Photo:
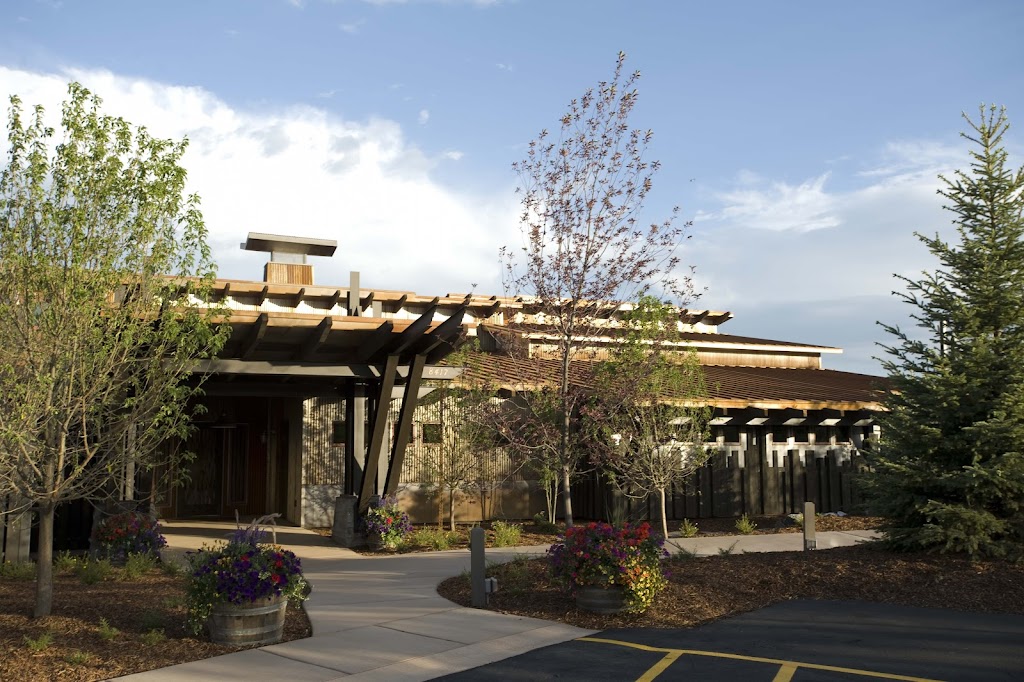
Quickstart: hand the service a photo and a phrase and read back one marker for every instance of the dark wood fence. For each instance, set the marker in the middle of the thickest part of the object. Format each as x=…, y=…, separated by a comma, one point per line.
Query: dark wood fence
x=734, y=483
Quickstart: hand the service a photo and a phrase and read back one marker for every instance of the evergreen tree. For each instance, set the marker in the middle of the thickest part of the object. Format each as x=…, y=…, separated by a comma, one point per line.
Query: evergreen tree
x=950, y=474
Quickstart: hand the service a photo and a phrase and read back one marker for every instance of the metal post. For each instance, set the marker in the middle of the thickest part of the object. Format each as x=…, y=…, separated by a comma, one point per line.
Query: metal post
x=477, y=567
x=809, y=540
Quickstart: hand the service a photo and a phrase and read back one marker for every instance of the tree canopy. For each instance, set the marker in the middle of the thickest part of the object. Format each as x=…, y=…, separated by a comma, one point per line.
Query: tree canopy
x=104, y=260
x=950, y=474
x=585, y=245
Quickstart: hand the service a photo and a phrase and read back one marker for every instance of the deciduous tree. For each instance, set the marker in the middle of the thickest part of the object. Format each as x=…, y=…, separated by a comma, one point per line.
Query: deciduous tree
x=651, y=404
x=102, y=258
x=585, y=245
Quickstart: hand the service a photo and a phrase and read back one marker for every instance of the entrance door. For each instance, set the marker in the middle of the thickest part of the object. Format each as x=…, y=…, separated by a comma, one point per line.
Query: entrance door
x=201, y=494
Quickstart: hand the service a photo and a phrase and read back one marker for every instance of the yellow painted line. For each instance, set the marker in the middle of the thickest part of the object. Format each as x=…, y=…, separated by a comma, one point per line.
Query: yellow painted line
x=755, y=659
x=659, y=667
x=785, y=673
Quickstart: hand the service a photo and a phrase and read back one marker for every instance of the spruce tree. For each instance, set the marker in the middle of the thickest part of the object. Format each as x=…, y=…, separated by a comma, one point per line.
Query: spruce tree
x=950, y=473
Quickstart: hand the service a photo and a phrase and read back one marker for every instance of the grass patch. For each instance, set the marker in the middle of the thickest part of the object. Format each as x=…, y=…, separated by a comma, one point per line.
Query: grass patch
x=40, y=643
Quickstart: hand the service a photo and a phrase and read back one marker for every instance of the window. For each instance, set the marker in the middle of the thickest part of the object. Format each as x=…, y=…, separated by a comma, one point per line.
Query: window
x=432, y=434
x=337, y=433
x=801, y=434
x=780, y=434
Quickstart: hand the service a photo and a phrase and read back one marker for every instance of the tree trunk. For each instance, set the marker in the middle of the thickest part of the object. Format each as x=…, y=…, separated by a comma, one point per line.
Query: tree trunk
x=567, y=495
x=44, y=561
x=664, y=516
x=564, y=440
x=451, y=509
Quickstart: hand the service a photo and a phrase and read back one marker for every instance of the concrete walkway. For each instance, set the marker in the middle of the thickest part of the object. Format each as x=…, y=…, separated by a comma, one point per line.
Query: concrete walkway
x=380, y=618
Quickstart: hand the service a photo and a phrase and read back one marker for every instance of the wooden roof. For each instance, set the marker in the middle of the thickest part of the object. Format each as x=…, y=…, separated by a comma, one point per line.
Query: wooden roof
x=728, y=387
x=298, y=344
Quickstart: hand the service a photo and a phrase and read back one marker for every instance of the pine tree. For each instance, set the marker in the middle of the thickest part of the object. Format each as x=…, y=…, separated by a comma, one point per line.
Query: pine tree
x=951, y=471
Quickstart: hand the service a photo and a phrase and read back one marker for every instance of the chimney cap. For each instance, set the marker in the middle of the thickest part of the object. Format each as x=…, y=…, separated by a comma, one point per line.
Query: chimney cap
x=279, y=243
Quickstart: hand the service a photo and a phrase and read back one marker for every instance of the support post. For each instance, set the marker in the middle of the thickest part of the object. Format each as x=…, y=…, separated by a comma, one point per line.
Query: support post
x=377, y=436
x=404, y=426
x=810, y=542
x=477, y=567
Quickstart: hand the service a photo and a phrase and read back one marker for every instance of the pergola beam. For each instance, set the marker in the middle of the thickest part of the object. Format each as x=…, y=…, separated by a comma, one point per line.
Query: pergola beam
x=255, y=335
x=375, y=342
x=315, y=340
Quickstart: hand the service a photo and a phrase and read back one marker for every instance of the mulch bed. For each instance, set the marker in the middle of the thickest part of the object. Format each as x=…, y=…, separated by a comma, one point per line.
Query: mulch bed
x=78, y=652
x=532, y=534
x=705, y=589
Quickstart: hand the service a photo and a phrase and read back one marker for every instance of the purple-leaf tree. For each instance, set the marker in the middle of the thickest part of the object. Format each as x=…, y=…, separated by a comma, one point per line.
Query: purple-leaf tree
x=586, y=245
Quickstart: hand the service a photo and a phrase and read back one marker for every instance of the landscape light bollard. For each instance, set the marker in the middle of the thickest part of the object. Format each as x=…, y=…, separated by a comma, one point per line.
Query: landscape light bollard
x=809, y=540
x=477, y=567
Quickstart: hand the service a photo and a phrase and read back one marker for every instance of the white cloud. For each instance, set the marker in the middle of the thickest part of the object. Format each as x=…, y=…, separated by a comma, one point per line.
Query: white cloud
x=781, y=206
x=505, y=67
x=303, y=171
x=759, y=255
x=351, y=27
x=423, y=117
x=453, y=155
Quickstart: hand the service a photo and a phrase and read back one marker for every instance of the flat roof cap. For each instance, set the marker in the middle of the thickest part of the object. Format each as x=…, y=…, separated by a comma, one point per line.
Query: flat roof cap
x=310, y=246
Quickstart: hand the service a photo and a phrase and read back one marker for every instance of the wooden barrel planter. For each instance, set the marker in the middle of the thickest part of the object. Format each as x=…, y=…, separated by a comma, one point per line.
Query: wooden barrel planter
x=261, y=622
x=601, y=598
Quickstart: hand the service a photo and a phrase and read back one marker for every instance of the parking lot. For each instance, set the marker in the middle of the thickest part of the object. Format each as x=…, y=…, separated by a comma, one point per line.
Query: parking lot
x=799, y=641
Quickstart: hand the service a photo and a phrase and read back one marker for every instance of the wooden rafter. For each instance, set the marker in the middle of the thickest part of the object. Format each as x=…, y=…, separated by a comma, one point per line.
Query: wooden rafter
x=414, y=331
x=255, y=335
x=374, y=343
x=314, y=340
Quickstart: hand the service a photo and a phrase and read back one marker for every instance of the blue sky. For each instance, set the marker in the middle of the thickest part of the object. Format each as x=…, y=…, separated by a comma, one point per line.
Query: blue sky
x=803, y=138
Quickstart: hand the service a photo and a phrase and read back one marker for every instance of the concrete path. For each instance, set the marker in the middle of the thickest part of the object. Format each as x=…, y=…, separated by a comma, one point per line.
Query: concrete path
x=380, y=618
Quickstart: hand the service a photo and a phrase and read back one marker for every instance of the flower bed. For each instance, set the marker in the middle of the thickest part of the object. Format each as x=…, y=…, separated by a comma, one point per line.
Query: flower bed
x=119, y=535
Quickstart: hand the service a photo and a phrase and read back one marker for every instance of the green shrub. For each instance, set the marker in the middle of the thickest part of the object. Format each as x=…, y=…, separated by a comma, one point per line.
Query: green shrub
x=506, y=534
x=688, y=530
x=18, y=570
x=93, y=571
x=152, y=620
x=153, y=637
x=40, y=643
x=516, y=577
x=540, y=519
x=745, y=526
x=106, y=630
x=138, y=565
x=66, y=562
x=726, y=551
x=76, y=657
x=171, y=567
x=434, y=538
